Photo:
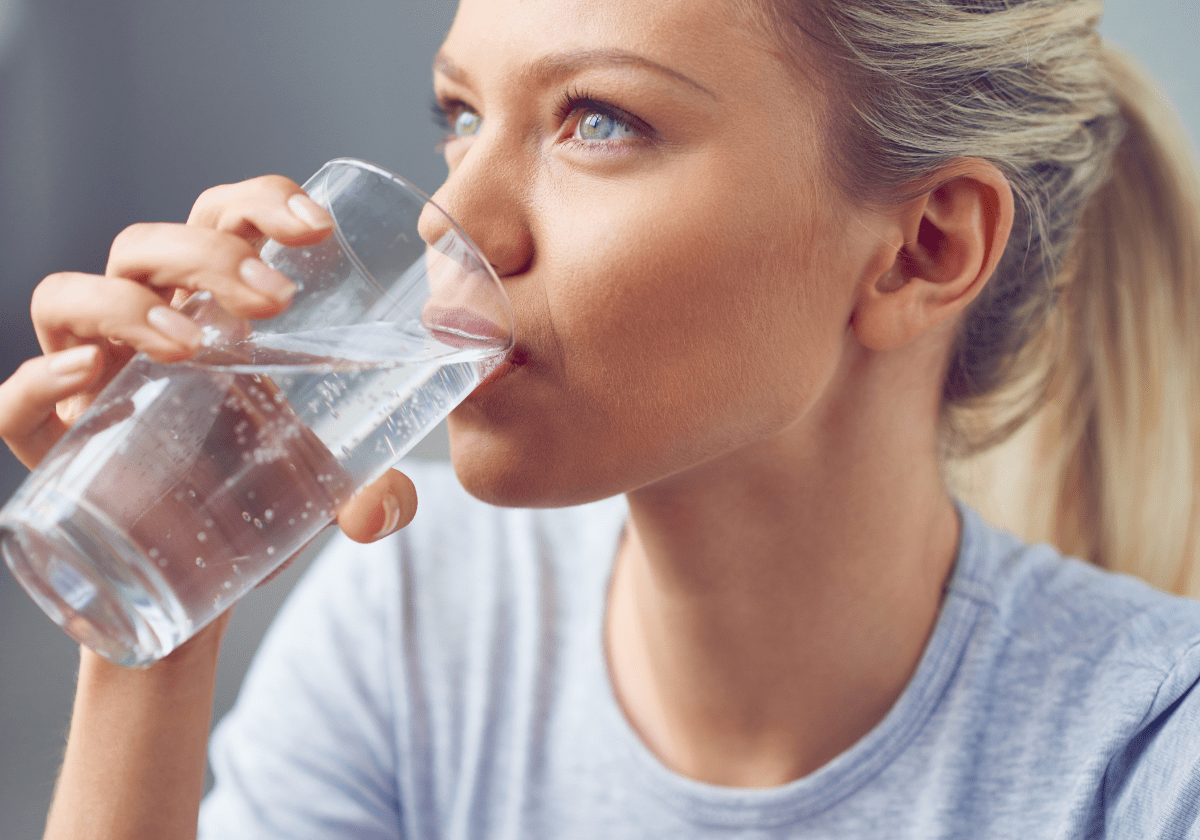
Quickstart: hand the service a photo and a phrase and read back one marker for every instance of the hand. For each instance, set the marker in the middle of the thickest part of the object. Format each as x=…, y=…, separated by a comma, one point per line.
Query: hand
x=89, y=326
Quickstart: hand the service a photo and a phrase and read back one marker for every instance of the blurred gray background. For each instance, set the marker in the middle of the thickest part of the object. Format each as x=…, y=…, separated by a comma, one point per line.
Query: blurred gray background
x=125, y=110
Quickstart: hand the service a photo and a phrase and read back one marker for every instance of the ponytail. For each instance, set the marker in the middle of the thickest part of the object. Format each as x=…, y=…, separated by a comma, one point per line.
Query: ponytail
x=1109, y=469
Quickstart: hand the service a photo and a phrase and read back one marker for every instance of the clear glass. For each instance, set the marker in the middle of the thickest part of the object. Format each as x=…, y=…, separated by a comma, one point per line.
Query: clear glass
x=185, y=484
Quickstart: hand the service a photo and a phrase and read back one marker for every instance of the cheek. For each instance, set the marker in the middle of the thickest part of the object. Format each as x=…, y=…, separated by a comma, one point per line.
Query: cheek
x=722, y=316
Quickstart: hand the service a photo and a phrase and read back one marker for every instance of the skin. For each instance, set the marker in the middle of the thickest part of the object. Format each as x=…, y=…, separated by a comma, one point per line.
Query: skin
x=706, y=325
x=703, y=323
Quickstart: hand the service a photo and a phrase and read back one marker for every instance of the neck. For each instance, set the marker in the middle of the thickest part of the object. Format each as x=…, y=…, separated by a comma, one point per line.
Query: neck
x=767, y=609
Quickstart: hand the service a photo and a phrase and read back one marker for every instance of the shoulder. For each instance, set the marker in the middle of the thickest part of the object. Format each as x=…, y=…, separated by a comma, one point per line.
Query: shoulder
x=1074, y=695
x=1083, y=675
x=1039, y=603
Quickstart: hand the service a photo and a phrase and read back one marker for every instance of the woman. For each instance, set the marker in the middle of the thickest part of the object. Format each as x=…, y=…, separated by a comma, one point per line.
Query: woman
x=770, y=262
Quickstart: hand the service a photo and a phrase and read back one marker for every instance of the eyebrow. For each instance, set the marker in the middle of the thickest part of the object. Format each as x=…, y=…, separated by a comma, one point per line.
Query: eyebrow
x=561, y=64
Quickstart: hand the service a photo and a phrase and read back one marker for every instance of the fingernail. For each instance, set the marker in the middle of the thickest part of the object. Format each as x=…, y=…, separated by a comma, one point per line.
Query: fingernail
x=258, y=275
x=175, y=326
x=309, y=212
x=391, y=516
x=75, y=361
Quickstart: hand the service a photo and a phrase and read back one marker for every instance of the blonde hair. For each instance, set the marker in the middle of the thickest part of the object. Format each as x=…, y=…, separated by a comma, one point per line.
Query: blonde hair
x=1088, y=325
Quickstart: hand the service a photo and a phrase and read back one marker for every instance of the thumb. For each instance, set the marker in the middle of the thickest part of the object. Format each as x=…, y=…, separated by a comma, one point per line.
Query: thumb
x=381, y=508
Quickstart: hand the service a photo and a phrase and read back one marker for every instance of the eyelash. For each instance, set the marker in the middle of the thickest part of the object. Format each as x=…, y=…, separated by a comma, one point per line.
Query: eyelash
x=576, y=100
x=439, y=109
x=446, y=111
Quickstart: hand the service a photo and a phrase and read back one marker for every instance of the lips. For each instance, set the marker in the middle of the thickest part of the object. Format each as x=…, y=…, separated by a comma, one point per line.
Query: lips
x=463, y=328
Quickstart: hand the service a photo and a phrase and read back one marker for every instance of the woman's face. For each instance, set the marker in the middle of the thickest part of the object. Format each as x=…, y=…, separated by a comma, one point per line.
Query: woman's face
x=647, y=178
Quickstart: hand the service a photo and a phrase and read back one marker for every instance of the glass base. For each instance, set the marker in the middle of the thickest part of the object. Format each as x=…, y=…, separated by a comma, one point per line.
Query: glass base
x=90, y=581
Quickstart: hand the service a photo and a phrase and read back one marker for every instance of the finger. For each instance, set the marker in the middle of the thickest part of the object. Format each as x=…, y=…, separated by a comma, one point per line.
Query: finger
x=379, y=509
x=172, y=256
x=271, y=206
x=71, y=308
x=29, y=423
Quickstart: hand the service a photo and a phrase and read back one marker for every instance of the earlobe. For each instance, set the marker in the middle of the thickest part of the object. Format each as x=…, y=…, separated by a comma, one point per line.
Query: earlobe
x=954, y=235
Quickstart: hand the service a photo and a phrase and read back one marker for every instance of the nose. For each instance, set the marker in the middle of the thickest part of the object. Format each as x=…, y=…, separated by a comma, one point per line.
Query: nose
x=484, y=195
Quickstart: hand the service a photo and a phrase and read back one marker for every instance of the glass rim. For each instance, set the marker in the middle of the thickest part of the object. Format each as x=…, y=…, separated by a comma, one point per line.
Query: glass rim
x=400, y=180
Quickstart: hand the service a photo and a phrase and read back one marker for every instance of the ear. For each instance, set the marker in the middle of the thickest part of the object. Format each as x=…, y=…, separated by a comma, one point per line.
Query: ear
x=954, y=235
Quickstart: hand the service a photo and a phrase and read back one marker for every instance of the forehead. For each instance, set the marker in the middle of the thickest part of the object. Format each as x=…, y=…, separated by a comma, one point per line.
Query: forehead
x=709, y=41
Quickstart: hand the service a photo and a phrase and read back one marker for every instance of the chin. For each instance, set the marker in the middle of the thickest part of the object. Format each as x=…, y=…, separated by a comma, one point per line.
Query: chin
x=523, y=472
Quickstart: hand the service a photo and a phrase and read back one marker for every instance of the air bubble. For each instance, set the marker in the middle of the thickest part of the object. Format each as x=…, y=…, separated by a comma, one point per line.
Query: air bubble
x=246, y=516
x=201, y=536
x=308, y=505
x=235, y=569
x=228, y=585
x=200, y=562
x=304, y=516
x=208, y=523
x=192, y=493
x=258, y=523
x=153, y=553
x=268, y=514
x=291, y=521
x=270, y=550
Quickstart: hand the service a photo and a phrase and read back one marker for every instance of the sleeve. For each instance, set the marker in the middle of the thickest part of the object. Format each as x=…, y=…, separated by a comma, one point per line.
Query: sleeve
x=1152, y=788
x=309, y=749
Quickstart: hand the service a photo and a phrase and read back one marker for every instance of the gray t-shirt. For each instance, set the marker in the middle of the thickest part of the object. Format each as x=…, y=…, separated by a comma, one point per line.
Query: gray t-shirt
x=450, y=682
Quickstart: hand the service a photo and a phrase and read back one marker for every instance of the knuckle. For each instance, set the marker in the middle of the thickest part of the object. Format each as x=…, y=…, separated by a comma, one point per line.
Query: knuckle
x=131, y=235
x=129, y=241
x=227, y=206
x=46, y=291
x=212, y=198
x=274, y=184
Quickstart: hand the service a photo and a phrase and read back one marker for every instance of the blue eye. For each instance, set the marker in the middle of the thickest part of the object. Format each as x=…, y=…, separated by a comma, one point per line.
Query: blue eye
x=466, y=123
x=597, y=126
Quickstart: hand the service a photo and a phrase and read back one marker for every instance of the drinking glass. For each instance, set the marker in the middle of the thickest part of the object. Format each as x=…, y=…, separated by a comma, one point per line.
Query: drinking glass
x=185, y=484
